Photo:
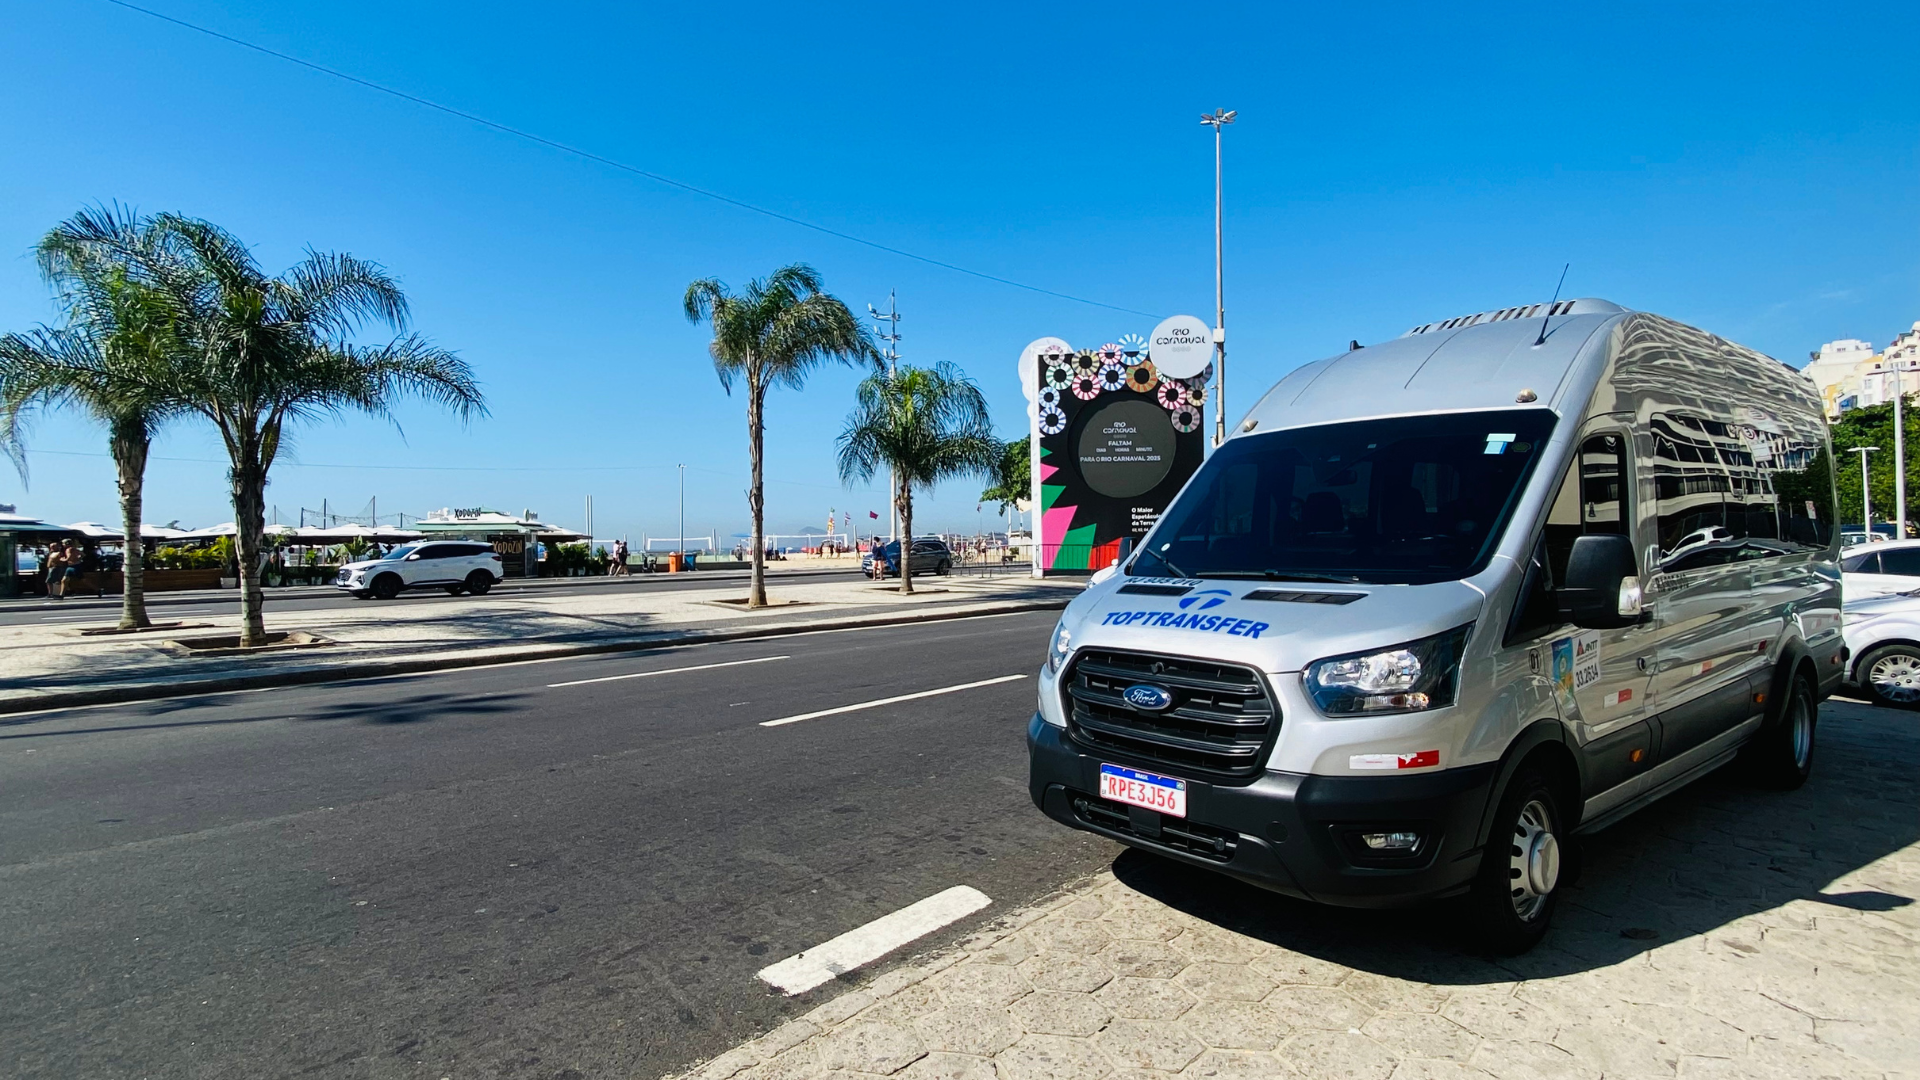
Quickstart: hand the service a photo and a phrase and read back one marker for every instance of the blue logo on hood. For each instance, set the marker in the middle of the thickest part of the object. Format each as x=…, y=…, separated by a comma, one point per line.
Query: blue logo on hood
x=1147, y=698
x=1204, y=599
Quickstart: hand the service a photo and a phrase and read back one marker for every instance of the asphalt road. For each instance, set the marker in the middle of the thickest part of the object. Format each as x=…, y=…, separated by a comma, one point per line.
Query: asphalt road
x=480, y=873
x=89, y=610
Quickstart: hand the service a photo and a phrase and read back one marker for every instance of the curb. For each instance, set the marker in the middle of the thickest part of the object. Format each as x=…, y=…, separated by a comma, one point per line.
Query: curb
x=355, y=672
x=111, y=601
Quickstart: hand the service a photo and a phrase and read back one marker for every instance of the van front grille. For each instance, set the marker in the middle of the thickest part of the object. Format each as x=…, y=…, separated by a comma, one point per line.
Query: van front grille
x=1221, y=718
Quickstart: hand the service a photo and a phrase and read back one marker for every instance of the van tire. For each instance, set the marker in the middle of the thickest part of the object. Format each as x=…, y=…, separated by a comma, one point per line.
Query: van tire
x=385, y=587
x=1891, y=657
x=479, y=582
x=1780, y=756
x=1509, y=904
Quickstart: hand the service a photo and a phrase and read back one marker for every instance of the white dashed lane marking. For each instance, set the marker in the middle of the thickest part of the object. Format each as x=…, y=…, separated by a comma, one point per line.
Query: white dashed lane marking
x=801, y=972
x=667, y=671
x=888, y=701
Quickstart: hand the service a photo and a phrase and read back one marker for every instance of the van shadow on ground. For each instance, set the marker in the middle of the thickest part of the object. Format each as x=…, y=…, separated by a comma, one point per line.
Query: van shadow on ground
x=1689, y=864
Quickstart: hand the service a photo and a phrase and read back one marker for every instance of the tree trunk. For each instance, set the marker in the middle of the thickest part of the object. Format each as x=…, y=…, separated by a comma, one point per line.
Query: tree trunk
x=756, y=492
x=906, y=535
x=250, y=525
x=130, y=445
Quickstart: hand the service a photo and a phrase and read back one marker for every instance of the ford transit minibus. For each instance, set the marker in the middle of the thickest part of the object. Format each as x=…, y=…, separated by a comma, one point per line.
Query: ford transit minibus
x=1443, y=603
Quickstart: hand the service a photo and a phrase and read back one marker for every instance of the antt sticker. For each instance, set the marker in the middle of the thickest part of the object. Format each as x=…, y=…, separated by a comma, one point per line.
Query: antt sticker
x=1618, y=697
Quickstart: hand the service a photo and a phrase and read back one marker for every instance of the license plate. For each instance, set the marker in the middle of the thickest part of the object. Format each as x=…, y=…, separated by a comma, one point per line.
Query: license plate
x=1136, y=788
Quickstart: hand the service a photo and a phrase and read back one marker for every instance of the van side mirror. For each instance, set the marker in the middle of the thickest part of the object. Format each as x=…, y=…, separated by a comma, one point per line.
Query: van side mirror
x=1602, y=590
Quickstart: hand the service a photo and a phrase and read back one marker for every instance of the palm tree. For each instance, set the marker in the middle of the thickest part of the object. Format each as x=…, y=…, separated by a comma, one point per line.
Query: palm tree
x=776, y=330
x=1012, y=475
x=112, y=360
x=268, y=351
x=929, y=425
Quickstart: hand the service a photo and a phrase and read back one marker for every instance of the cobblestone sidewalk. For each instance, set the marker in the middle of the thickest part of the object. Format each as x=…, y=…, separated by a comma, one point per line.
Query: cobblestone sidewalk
x=1727, y=932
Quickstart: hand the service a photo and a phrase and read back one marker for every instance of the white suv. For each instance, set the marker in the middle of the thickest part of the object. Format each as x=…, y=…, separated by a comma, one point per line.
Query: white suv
x=453, y=565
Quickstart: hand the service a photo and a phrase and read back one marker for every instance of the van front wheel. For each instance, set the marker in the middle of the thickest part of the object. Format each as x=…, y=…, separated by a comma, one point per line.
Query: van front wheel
x=1513, y=898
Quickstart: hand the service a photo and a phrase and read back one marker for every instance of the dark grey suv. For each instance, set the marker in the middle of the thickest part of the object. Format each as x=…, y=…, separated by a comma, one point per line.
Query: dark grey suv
x=927, y=557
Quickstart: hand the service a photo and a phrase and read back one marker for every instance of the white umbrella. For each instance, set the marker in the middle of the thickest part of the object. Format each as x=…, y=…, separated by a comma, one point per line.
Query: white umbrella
x=225, y=528
x=160, y=532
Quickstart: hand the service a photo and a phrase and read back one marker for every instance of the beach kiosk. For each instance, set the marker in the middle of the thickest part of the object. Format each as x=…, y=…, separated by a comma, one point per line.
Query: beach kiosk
x=18, y=533
x=517, y=539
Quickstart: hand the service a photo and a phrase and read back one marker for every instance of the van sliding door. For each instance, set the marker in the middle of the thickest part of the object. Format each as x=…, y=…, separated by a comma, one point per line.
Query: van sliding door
x=1702, y=588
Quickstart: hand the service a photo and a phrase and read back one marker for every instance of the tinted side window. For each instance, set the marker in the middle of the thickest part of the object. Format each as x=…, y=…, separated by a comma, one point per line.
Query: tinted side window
x=1697, y=507
x=1901, y=561
x=1592, y=500
x=439, y=551
x=1862, y=564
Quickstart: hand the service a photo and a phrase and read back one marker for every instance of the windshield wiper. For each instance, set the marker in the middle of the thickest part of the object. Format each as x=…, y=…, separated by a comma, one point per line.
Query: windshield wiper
x=1300, y=575
x=1168, y=563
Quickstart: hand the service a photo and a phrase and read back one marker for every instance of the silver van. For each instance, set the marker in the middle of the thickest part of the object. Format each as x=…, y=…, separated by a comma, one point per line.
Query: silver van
x=1440, y=604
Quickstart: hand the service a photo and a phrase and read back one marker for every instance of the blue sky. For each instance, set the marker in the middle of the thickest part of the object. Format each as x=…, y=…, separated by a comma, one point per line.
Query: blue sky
x=1748, y=168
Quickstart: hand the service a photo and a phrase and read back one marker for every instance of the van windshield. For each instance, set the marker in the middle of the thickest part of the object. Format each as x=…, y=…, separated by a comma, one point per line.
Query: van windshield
x=1404, y=500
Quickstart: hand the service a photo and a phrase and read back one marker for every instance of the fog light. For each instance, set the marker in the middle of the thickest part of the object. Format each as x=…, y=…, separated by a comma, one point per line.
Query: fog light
x=1390, y=841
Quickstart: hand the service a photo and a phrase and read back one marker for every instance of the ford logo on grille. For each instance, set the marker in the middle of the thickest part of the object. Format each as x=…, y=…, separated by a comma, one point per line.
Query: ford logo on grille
x=1147, y=698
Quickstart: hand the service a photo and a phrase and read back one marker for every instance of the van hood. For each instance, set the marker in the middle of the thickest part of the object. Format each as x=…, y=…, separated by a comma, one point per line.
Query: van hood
x=1276, y=626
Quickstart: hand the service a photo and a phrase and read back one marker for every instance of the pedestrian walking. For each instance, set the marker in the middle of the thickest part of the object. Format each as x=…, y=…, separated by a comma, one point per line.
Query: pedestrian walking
x=56, y=568
x=618, y=566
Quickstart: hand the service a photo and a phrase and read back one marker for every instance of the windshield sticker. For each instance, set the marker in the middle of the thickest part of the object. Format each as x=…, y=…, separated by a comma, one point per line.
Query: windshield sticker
x=1424, y=759
x=1185, y=620
x=1497, y=444
x=1189, y=582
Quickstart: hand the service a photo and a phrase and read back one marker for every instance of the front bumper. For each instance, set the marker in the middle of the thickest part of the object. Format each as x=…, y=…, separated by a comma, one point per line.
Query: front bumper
x=1292, y=833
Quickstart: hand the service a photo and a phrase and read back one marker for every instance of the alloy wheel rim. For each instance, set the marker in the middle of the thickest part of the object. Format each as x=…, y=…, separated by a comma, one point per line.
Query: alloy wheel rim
x=1896, y=677
x=1533, y=862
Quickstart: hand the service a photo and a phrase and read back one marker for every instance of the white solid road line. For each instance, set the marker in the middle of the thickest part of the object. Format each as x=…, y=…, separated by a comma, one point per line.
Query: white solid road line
x=802, y=972
x=668, y=671
x=887, y=701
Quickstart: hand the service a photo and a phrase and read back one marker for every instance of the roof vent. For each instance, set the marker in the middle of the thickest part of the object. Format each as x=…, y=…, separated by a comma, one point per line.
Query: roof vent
x=1524, y=311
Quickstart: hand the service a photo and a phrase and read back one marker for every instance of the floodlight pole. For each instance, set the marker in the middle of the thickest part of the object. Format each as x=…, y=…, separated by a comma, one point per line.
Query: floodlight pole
x=1219, y=119
x=889, y=333
x=1866, y=493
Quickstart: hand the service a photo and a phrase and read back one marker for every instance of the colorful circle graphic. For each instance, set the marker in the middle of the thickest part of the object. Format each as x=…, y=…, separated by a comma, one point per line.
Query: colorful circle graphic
x=1052, y=421
x=1085, y=387
x=1142, y=377
x=1113, y=376
x=1049, y=397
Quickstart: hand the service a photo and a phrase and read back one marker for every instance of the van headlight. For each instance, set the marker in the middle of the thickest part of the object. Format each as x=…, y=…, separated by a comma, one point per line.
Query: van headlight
x=1406, y=678
x=1060, y=645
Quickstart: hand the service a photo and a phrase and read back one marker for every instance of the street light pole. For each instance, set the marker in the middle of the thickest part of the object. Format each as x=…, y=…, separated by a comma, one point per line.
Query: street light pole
x=1866, y=493
x=682, y=542
x=1220, y=118
x=1899, y=456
